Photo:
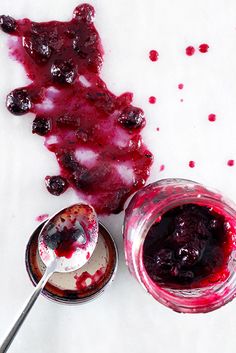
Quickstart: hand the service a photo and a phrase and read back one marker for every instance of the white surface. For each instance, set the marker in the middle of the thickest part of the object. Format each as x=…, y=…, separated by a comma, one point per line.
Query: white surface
x=125, y=319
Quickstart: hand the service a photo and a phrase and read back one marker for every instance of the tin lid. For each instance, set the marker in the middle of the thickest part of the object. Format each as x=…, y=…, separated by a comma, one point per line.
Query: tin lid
x=82, y=285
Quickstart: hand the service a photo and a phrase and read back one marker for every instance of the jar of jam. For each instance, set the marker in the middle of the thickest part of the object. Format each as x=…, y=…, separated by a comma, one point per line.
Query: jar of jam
x=179, y=239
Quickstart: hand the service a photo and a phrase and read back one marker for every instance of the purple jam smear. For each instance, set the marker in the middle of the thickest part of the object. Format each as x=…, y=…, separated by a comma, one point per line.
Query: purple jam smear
x=65, y=242
x=189, y=246
x=94, y=134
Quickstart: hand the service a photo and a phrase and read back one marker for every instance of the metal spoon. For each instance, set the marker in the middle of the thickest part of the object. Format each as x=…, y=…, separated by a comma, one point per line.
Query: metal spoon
x=66, y=242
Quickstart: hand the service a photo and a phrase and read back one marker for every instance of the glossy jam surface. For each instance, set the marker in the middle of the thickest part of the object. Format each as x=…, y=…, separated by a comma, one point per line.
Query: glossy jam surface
x=94, y=134
x=65, y=242
x=189, y=246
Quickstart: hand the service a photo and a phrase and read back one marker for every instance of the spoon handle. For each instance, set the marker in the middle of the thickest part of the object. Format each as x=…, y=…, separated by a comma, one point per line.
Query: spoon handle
x=26, y=309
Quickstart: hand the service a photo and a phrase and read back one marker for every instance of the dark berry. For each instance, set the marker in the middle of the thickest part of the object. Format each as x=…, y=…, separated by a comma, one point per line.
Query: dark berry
x=102, y=100
x=84, y=43
x=164, y=257
x=7, y=24
x=56, y=185
x=63, y=71
x=188, y=255
x=86, y=46
x=185, y=246
x=18, y=102
x=82, y=135
x=186, y=276
x=41, y=126
x=68, y=121
x=37, y=47
x=82, y=178
x=68, y=161
x=84, y=12
x=131, y=118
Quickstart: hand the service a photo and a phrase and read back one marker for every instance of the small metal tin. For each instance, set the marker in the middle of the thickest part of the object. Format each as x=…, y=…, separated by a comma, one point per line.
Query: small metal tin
x=82, y=285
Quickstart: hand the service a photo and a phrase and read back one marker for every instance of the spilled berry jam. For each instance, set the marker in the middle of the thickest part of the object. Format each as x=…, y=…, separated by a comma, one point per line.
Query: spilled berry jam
x=189, y=246
x=56, y=185
x=94, y=134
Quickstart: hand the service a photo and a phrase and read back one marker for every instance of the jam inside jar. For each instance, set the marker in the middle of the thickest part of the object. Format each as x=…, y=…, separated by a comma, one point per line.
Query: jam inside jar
x=180, y=244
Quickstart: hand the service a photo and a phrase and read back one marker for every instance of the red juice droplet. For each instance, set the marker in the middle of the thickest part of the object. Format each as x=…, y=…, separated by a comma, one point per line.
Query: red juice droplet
x=153, y=55
x=203, y=48
x=162, y=167
x=191, y=164
x=190, y=51
x=158, y=129
x=230, y=162
x=152, y=100
x=212, y=117
x=180, y=86
x=42, y=217
x=87, y=280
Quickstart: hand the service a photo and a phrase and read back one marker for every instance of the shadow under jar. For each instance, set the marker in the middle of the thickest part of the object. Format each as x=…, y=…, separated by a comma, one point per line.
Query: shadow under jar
x=179, y=239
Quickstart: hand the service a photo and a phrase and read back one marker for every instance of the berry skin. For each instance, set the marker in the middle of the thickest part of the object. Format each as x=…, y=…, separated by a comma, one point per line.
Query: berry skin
x=18, y=102
x=56, y=185
x=84, y=12
x=131, y=118
x=7, y=24
x=41, y=126
x=63, y=72
x=37, y=47
x=188, y=255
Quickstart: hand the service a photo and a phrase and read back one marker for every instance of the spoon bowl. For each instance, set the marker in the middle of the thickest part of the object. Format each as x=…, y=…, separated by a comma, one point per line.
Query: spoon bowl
x=69, y=238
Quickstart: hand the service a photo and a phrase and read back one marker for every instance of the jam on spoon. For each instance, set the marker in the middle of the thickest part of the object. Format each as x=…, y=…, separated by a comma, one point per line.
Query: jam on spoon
x=65, y=244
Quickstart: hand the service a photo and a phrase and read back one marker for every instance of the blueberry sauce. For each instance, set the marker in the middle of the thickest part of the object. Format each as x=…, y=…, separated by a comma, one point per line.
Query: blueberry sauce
x=189, y=245
x=94, y=134
x=190, y=51
x=203, y=48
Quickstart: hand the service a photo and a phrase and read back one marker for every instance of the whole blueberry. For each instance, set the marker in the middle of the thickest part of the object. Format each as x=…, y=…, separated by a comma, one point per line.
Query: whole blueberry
x=131, y=118
x=63, y=71
x=7, y=24
x=56, y=185
x=18, y=102
x=41, y=126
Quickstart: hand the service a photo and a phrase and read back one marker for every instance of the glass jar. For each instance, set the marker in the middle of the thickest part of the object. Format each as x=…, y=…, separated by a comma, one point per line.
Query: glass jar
x=145, y=208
